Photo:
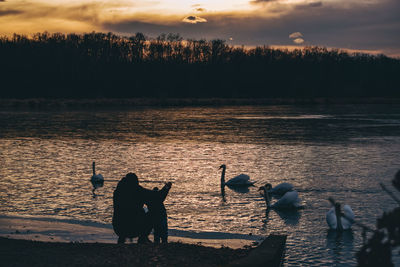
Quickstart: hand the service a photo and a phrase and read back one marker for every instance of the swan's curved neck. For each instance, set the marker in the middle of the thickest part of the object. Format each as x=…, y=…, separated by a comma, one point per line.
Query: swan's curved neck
x=223, y=177
x=266, y=198
x=339, y=226
x=94, y=168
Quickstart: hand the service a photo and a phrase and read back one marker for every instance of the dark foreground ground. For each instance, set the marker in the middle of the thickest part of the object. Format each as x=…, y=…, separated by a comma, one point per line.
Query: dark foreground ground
x=32, y=253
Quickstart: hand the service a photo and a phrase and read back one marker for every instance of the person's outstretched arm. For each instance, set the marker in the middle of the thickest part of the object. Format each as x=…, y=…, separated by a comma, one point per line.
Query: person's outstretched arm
x=163, y=194
x=149, y=195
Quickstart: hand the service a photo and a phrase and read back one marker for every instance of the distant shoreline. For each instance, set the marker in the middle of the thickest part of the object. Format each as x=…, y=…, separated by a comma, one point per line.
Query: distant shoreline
x=63, y=103
x=106, y=65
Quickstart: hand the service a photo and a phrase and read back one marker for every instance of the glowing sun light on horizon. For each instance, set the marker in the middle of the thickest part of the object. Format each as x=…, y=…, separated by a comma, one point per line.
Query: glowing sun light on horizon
x=178, y=6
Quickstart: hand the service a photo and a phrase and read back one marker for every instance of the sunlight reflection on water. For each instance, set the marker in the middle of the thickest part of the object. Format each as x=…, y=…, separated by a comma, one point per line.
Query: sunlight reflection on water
x=46, y=166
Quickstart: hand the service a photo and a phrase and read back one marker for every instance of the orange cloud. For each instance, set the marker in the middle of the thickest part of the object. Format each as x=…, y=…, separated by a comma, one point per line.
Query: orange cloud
x=298, y=41
x=22, y=18
x=295, y=35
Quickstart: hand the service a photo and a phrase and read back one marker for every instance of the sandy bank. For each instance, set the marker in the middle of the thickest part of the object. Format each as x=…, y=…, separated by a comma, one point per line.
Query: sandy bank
x=66, y=231
x=36, y=241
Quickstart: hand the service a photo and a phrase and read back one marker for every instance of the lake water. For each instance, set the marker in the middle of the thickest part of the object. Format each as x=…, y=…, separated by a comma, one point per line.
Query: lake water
x=324, y=151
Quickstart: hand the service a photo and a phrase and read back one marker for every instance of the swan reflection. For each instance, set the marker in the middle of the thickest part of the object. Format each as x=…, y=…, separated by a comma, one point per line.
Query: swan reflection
x=289, y=217
x=339, y=241
x=241, y=190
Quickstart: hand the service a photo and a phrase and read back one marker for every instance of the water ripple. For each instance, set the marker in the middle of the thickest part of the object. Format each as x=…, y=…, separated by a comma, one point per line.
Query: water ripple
x=46, y=161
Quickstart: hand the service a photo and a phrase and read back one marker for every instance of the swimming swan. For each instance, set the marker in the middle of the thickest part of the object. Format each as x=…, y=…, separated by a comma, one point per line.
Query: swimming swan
x=290, y=200
x=237, y=181
x=280, y=189
x=96, y=178
x=338, y=222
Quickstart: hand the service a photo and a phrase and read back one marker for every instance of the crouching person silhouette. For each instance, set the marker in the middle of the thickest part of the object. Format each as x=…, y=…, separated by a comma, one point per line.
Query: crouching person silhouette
x=129, y=218
x=158, y=214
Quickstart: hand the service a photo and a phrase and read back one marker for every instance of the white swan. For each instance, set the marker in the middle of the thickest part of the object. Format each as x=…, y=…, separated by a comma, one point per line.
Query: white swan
x=290, y=200
x=96, y=178
x=237, y=181
x=338, y=222
x=280, y=189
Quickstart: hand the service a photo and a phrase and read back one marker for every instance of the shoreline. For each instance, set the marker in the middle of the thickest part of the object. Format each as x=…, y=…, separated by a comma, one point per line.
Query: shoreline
x=67, y=231
x=33, y=241
x=15, y=252
x=89, y=103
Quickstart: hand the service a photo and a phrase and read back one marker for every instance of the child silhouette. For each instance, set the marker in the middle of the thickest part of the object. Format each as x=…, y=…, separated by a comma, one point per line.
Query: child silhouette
x=158, y=214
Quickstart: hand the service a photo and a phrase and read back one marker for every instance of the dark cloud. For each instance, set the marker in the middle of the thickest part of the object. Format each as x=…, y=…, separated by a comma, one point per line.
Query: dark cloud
x=198, y=8
x=262, y=1
x=315, y=4
x=303, y=5
x=9, y=12
x=194, y=19
x=308, y=5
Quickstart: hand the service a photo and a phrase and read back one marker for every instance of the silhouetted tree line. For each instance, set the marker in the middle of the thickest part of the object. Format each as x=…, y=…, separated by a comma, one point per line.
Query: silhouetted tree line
x=107, y=65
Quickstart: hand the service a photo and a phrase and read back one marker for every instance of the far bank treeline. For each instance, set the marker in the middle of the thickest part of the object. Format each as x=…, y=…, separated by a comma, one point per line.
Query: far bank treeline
x=107, y=65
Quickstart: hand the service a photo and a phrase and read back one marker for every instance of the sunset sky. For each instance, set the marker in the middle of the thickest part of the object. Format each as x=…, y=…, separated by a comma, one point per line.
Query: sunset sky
x=368, y=25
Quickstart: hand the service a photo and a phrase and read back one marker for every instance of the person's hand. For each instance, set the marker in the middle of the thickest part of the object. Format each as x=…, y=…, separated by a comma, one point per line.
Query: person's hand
x=169, y=184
